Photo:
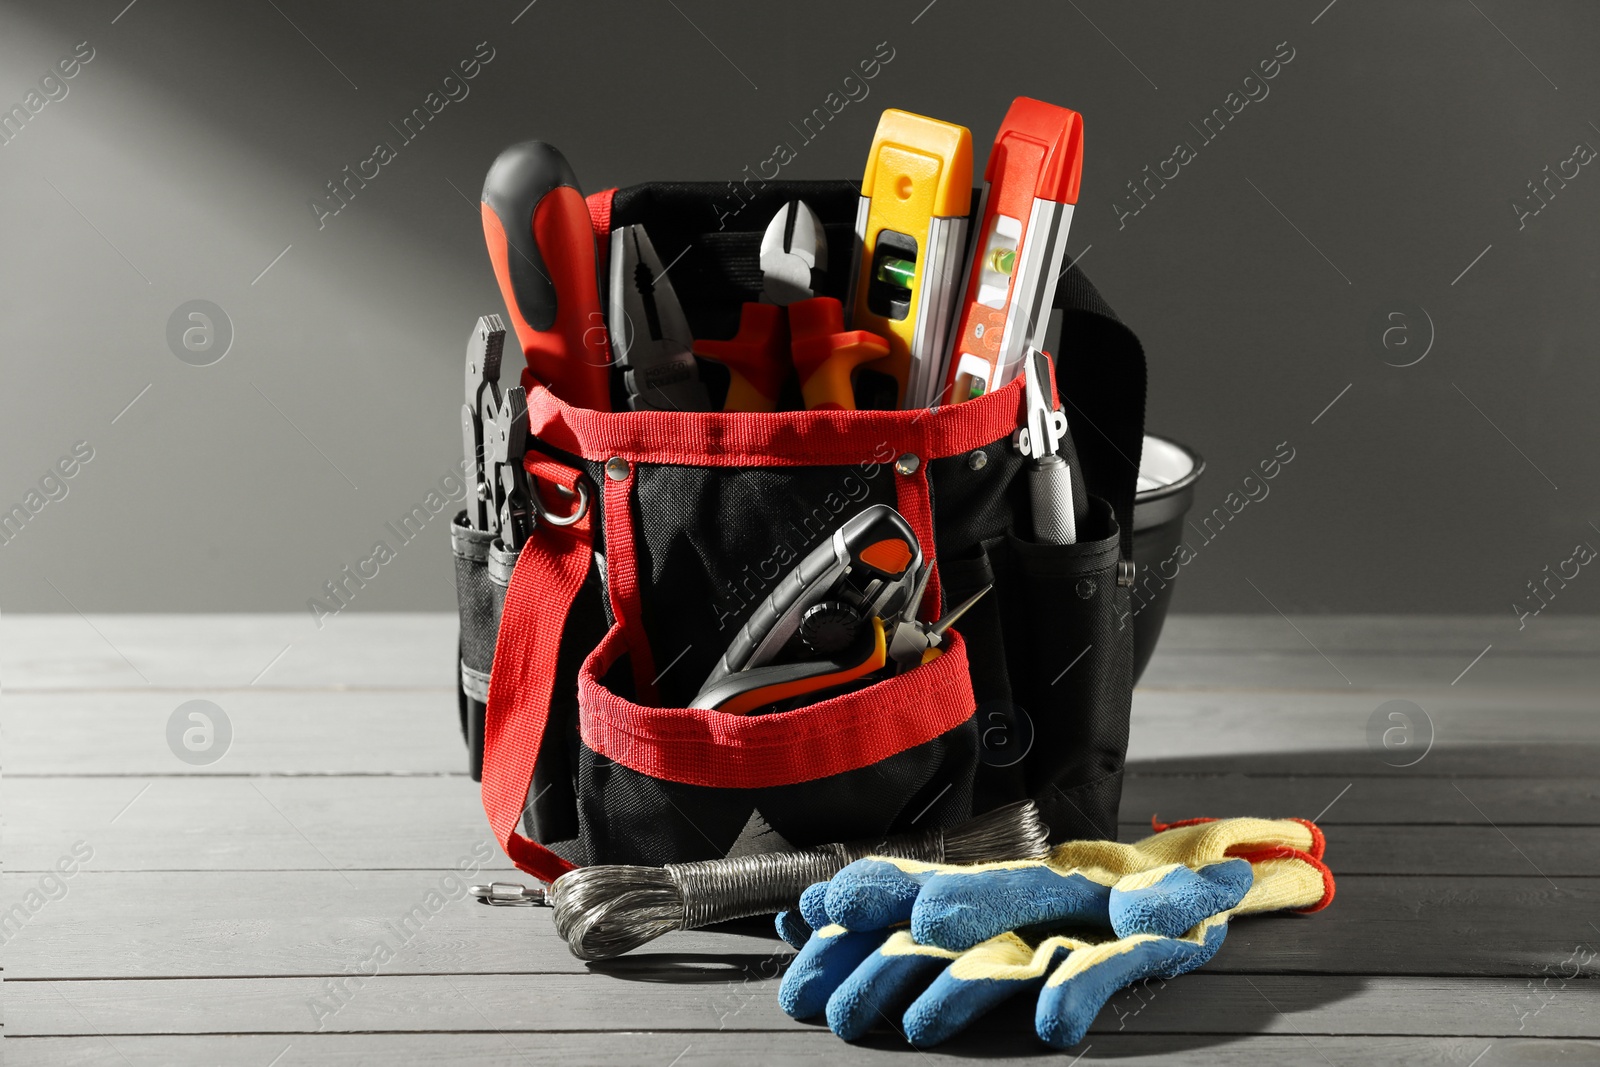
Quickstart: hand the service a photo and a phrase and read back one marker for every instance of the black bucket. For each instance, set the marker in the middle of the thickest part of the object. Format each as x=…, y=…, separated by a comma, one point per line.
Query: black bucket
x=1168, y=473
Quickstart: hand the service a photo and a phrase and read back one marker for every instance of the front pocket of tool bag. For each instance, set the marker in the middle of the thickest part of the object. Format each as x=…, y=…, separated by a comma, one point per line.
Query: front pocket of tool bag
x=670, y=784
x=1070, y=659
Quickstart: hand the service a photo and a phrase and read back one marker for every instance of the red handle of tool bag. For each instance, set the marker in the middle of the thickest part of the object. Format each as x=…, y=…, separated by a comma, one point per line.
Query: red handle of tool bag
x=549, y=572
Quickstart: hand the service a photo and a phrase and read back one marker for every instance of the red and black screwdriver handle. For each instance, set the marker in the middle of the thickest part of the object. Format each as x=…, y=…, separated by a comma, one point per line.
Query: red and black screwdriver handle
x=541, y=243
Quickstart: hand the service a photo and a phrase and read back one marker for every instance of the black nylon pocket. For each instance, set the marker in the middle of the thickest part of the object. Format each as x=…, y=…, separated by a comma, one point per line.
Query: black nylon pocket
x=629, y=817
x=1070, y=658
x=1003, y=737
x=653, y=788
x=480, y=618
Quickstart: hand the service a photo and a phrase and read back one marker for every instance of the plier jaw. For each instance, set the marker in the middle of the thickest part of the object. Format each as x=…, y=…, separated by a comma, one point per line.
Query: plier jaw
x=912, y=641
x=649, y=334
x=484, y=350
x=794, y=255
x=508, y=443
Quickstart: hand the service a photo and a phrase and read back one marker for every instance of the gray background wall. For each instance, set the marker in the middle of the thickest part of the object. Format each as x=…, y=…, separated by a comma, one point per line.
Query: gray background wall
x=1384, y=162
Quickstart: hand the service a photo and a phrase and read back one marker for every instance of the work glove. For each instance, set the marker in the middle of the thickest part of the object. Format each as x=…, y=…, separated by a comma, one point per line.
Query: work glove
x=1088, y=920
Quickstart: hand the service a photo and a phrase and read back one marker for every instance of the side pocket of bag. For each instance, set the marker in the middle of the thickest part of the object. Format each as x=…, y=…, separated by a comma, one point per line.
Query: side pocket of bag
x=480, y=622
x=1004, y=739
x=1070, y=654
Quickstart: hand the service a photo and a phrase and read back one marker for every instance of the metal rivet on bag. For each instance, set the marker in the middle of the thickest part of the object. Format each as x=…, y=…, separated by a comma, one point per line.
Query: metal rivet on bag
x=907, y=464
x=1085, y=588
x=617, y=469
x=977, y=459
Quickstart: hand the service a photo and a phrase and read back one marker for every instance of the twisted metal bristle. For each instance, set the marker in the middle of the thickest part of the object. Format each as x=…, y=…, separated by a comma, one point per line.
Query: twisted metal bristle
x=605, y=911
x=1012, y=832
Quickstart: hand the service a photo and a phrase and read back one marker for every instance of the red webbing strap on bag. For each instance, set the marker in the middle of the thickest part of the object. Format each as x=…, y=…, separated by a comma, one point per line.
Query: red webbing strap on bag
x=916, y=506
x=622, y=581
x=548, y=575
x=600, y=216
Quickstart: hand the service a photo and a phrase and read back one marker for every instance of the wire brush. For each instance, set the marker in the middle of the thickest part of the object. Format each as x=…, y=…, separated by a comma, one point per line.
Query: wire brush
x=604, y=911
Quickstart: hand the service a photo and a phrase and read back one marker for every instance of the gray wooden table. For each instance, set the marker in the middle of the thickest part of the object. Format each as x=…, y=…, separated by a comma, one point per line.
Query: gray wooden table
x=232, y=911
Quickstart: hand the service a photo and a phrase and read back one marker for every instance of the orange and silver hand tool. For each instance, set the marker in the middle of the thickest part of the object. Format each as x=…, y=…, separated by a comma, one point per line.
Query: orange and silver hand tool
x=746, y=691
x=1033, y=175
x=866, y=571
x=911, y=232
x=794, y=252
x=541, y=243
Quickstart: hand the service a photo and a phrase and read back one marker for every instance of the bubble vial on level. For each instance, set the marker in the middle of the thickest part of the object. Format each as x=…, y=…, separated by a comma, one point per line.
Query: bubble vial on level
x=896, y=271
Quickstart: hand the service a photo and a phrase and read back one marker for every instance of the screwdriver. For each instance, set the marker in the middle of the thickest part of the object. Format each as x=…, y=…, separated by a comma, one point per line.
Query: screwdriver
x=541, y=244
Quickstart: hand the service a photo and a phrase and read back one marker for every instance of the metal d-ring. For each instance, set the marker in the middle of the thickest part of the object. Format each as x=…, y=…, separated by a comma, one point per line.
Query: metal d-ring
x=577, y=513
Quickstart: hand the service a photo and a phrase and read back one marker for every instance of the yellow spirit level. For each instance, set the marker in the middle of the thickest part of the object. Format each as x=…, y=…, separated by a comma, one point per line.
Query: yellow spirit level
x=911, y=234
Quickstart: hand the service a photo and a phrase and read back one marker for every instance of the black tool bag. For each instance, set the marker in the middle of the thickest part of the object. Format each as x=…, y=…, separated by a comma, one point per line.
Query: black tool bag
x=601, y=630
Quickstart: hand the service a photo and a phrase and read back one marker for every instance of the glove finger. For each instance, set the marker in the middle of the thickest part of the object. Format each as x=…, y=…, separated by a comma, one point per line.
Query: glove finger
x=794, y=930
x=977, y=981
x=1170, y=900
x=1085, y=980
x=873, y=893
x=960, y=909
x=822, y=965
x=812, y=909
x=883, y=983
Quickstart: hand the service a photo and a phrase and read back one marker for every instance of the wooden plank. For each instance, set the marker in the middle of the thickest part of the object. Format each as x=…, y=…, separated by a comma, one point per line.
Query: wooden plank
x=1356, y=671
x=228, y=923
x=203, y=924
x=1396, y=800
x=489, y=1049
x=357, y=650
x=411, y=650
x=720, y=997
x=401, y=649
x=286, y=823
x=417, y=731
x=327, y=732
x=1535, y=733
x=1548, y=634
x=1518, y=761
x=208, y=822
